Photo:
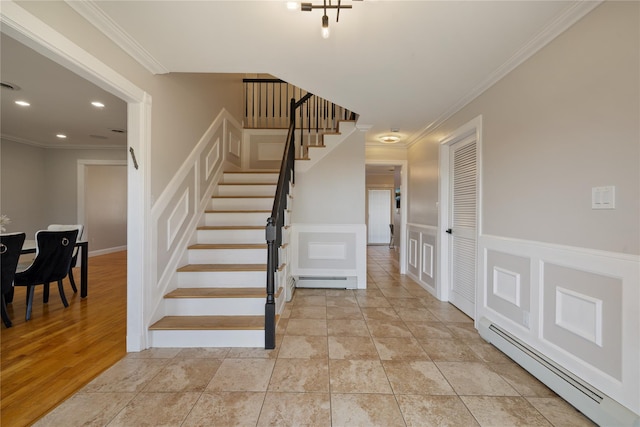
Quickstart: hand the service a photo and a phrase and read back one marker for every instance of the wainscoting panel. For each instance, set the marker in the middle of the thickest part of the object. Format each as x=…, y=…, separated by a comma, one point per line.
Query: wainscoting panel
x=422, y=255
x=508, y=286
x=210, y=160
x=584, y=313
x=578, y=307
x=233, y=133
x=327, y=250
x=264, y=148
x=179, y=208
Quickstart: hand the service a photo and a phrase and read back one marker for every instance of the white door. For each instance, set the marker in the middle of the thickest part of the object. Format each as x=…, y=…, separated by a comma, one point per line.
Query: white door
x=463, y=181
x=379, y=208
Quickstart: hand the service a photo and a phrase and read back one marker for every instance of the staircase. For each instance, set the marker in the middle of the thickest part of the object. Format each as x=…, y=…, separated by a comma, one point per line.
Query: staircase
x=221, y=293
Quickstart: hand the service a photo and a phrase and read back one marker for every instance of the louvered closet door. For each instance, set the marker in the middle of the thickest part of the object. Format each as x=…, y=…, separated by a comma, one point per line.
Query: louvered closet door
x=463, y=223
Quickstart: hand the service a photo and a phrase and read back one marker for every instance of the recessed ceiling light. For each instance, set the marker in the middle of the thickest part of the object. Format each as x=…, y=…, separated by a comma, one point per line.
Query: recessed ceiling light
x=23, y=103
x=97, y=104
x=292, y=5
x=61, y=136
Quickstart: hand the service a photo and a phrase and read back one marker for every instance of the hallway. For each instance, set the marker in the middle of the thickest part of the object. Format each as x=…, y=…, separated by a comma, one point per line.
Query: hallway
x=390, y=355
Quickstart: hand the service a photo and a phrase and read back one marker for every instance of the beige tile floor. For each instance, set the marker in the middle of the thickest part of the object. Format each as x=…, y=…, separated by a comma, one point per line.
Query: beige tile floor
x=390, y=355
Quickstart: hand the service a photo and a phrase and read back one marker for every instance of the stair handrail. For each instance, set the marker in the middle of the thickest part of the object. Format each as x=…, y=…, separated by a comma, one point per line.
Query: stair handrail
x=265, y=107
x=275, y=222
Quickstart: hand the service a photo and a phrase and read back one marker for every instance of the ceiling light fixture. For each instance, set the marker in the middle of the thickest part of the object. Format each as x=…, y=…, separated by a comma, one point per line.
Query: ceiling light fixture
x=97, y=104
x=23, y=103
x=292, y=5
x=389, y=139
x=61, y=136
x=308, y=7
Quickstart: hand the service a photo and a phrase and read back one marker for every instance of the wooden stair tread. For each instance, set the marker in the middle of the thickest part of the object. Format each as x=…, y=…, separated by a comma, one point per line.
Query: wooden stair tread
x=253, y=171
x=239, y=211
x=229, y=246
x=232, y=227
x=222, y=267
x=247, y=183
x=220, y=293
x=206, y=323
x=242, y=197
x=217, y=293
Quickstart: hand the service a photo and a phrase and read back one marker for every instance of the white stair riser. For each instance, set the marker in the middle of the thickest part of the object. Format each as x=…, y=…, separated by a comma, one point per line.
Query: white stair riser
x=261, y=203
x=222, y=279
x=215, y=306
x=251, y=177
x=227, y=256
x=246, y=190
x=236, y=218
x=185, y=339
x=231, y=236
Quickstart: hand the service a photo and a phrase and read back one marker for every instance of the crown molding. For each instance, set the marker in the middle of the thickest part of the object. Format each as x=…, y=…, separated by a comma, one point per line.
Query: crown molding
x=560, y=24
x=90, y=11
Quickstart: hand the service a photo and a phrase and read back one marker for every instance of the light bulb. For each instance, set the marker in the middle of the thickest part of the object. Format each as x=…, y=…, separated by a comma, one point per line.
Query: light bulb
x=325, y=27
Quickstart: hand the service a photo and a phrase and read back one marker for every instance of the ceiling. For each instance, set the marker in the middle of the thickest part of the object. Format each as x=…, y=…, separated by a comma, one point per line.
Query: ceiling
x=399, y=64
x=60, y=103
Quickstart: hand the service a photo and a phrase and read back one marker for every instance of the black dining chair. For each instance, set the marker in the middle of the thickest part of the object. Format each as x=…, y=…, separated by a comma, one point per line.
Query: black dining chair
x=10, y=247
x=74, y=258
x=54, y=250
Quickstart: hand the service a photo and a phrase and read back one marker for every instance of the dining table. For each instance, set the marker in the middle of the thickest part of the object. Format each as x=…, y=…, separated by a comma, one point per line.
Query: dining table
x=29, y=247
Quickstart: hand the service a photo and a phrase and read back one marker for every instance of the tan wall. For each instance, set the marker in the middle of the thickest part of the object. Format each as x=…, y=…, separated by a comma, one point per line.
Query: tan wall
x=563, y=122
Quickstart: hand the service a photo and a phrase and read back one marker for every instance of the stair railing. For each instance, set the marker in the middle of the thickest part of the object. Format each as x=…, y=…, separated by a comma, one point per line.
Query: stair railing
x=265, y=107
x=276, y=222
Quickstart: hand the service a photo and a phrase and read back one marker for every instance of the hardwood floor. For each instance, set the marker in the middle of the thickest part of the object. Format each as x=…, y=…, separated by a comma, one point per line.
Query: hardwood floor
x=57, y=352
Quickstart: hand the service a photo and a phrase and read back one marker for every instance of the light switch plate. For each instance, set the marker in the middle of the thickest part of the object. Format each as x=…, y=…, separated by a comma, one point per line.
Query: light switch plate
x=603, y=197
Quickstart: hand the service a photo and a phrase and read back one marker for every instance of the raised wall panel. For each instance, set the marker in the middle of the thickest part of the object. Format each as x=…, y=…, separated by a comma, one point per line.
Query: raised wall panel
x=580, y=314
x=325, y=251
x=265, y=150
x=413, y=253
x=329, y=250
x=211, y=160
x=506, y=285
x=583, y=307
x=177, y=218
x=584, y=316
x=427, y=259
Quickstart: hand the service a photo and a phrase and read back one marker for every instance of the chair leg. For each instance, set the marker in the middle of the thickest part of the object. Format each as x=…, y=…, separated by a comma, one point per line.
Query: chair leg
x=5, y=315
x=73, y=282
x=62, y=296
x=45, y=293
x=30, y=292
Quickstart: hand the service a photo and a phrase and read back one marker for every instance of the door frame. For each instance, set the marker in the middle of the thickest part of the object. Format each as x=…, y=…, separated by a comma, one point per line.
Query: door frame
x=472, y=127
x=83, y=166
x=34, y=33
x=400, y=235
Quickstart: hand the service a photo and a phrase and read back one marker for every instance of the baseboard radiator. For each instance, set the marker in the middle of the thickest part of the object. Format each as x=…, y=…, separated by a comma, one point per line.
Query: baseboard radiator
x=328, y=282
x=593, y=403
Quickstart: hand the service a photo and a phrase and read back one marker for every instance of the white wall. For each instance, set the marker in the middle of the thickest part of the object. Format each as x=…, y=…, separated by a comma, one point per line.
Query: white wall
x=332, y=192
